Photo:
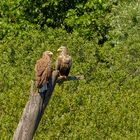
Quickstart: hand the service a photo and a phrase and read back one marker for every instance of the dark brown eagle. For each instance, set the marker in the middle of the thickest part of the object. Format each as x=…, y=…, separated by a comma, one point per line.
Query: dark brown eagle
x=43, y=71
x=64, y=62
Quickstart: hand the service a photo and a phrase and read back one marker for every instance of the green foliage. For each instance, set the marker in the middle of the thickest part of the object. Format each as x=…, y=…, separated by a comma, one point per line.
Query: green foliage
x=90, y=19
x=125, y=21
x=106, y=104
x=87, y=17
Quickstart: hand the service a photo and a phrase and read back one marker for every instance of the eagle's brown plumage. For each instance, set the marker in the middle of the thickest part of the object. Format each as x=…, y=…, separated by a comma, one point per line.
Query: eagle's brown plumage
x=64, y=62
x=43, y=69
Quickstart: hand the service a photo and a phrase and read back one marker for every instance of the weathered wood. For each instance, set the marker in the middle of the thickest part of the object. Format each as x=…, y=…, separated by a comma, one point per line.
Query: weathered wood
x=35, y=108
x=33, y=111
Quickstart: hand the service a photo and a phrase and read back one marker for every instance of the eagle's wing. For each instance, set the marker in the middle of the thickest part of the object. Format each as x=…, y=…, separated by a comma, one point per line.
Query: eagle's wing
x=59, y=62
x=67, y=61
x=40, y=66
x=42, y=71
x=63, y=64
x=46, y=75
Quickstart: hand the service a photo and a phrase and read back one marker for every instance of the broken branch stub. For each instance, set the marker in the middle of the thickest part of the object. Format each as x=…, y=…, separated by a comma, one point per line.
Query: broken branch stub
x=33, y=111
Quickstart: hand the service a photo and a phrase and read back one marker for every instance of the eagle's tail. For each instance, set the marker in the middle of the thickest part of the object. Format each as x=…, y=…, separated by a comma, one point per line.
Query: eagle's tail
x=44, y=88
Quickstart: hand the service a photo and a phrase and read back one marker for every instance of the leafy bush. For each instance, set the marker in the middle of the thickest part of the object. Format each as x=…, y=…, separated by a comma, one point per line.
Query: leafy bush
x=89, y=18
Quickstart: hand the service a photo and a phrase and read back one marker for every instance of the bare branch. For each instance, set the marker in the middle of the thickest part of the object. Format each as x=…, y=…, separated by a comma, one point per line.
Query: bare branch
x=33, y=111
x=35, y=108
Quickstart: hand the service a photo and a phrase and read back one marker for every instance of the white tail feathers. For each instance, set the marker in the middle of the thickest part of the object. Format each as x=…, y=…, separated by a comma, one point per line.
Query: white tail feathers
x=43, y=88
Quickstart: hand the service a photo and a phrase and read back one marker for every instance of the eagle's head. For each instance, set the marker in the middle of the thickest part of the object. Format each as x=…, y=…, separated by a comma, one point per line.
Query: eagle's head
x=62, y=49
x=47, y=53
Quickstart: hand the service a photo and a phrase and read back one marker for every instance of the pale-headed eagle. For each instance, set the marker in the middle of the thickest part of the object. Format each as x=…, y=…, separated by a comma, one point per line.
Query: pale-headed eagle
x=43, y=71
x=64, y=62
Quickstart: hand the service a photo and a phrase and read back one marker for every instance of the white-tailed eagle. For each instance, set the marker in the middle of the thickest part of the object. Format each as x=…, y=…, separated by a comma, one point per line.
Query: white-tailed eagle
x=43, y=71
x=64, y=62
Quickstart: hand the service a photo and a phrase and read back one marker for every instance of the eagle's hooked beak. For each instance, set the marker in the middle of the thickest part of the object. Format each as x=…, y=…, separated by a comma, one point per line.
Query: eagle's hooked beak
x=59, y=50
x=50, y=53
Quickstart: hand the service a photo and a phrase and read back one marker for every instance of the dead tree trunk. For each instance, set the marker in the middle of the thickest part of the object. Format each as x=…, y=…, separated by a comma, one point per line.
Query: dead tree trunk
x=33, y=112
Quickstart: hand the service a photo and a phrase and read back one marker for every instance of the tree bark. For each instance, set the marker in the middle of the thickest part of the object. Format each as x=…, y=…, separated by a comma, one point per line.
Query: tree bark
x=35, y=108
x=33, y=111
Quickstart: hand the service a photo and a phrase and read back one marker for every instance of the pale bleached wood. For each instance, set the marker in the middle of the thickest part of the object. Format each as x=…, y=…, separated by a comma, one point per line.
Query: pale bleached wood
x=33, y=111
x=35, y=108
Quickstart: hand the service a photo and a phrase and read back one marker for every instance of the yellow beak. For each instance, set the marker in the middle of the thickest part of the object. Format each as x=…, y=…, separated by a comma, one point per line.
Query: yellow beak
x=59, y=50
x=51, y=53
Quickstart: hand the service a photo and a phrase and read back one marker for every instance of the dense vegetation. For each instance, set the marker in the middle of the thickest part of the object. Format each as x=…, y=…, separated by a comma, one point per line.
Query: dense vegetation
x=103, y=37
